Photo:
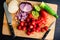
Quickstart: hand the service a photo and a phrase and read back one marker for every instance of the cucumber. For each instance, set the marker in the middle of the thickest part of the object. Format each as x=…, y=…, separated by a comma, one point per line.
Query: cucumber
x=48, y=9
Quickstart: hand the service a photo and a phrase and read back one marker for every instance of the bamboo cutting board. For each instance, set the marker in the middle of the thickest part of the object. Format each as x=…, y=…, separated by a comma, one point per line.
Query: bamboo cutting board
x=20, y=33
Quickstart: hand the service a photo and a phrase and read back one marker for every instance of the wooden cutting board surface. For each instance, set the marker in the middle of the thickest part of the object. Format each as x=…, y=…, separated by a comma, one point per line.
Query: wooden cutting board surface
x=21, y=33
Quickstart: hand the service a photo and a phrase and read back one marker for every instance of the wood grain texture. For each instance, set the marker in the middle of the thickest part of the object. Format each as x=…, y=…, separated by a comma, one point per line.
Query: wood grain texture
x=21, y=33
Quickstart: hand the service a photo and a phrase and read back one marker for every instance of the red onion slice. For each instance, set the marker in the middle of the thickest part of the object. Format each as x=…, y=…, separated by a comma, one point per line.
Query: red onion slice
x=22, y=6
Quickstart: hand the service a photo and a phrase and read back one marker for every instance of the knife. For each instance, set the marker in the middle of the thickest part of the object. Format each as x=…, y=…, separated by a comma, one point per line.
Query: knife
x=48, y=31
x=9, y=19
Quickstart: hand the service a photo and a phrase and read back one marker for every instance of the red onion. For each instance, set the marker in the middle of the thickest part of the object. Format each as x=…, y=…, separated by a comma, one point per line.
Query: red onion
x=26, y=7
x=21, y=15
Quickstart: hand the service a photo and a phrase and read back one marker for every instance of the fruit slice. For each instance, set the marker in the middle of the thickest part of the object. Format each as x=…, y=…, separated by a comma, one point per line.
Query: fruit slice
x=35, y=14
x=37, y=8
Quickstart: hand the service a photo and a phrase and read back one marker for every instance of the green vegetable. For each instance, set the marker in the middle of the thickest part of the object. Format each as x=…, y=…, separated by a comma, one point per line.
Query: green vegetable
x=37, y=8
x=48, y=9
x=35, y=14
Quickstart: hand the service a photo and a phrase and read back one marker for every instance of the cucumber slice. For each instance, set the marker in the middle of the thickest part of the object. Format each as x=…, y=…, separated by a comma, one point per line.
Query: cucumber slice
x=37, y=8
x=35, y=14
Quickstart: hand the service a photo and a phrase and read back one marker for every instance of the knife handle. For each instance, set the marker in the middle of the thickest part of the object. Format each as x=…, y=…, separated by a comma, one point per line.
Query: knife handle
x=46, y=34
x=11, y=30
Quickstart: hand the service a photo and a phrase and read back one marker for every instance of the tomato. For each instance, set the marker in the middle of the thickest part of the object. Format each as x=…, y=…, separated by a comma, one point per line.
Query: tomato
x=31, y=26
x=28, y=32
x=24, y=28
x=46, y=28
x=22, y=23
x=33, y=22
x=44, y=13
x=19, y=27
x=34, y=29
x=38, y=29
x=27, y=19
x=30, y=15
x=42, y=29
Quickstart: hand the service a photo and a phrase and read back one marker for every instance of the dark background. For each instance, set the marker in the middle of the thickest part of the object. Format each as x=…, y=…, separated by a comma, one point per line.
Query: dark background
x=57, y=29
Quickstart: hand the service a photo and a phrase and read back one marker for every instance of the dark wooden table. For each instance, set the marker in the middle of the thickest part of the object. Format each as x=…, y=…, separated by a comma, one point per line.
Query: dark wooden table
x=57, y=30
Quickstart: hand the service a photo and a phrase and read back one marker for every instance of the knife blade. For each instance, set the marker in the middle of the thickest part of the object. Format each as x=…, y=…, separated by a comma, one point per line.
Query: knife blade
x=9, y=19
x=47, y=31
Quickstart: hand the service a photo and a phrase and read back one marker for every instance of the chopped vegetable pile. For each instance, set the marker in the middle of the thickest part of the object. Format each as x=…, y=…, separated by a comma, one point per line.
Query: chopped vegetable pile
x=32, y=18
